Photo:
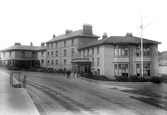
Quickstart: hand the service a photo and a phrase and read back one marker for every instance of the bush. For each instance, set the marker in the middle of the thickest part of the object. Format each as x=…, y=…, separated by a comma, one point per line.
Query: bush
x=157, y=80
x=95, y=77
x=60, y=71
x=164, y=78
x=133, y=78
x=82, y=74
x=49, y=70
x=122, y=79
x=143, y=79
x=31, y=69
x=46, y=70
x=42, y=69
x=89, y=75
x=103, y=78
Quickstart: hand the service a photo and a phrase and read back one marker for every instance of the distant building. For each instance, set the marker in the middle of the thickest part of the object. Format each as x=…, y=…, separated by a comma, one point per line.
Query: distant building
x=21, y=56
x=41, y=55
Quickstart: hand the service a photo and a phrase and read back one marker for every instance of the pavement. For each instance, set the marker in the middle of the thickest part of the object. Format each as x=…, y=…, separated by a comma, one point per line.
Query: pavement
x=14, y=101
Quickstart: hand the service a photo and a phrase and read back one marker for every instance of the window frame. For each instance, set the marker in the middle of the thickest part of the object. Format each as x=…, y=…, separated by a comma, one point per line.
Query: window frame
x=42, y=53
x=87, y=52
x=92, y=62
x=23, y=53
x=98, y=52
x=57, y=63
x=72, y=51
x=65, y=61
x=48, y=54
x=98, y=62
x=65, y=52
x=83, y=52
x=121, y=50
x=64, y=43
x=52, y=62
x=121, y=69
x=3, y=54
x=42, y=61
x=72, y=42
x=92, y=51
x=56, y=53
x=52, y=53
x=10, y=53
x=33, y=54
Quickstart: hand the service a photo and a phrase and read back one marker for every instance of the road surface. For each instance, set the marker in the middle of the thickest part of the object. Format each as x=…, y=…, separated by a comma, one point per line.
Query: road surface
x=56, y=95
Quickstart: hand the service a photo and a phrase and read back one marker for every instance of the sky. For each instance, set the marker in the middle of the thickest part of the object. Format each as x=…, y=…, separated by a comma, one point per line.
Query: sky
x=36, y=21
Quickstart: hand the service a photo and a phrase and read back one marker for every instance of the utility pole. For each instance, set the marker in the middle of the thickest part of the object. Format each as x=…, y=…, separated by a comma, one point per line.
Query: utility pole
x=142, y=27
x=141, y=47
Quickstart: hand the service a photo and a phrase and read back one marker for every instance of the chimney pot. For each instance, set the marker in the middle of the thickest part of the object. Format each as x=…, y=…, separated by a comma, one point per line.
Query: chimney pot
x=104, y=36
x=54, y=35
x=31, y=44
x=42, y=44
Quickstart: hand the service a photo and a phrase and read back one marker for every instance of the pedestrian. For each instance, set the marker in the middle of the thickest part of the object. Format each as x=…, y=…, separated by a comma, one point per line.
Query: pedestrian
x=74, y=75
x=68, y=73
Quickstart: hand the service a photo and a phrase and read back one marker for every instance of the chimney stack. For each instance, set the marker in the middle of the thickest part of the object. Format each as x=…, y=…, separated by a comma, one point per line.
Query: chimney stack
x=31, y=44
x=54, y=35
x=17, y=43
x=87, y=29
x=128, y=34
x=68, y=31
x=104, y=36
x=42, y=44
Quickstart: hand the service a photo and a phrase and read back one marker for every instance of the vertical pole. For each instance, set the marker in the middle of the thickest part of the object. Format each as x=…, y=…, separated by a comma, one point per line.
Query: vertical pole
x=19, y=77
x=24, y=82
x=11, y=79
x=76, y=70
x=141, y=47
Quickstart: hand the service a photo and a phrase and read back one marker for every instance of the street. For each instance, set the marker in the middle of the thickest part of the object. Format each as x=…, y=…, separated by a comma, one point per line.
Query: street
x=55, y=94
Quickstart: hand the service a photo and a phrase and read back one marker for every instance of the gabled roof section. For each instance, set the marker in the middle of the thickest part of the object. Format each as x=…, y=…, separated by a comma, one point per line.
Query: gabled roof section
x=120, y=40
x=70, y=35
x=24, y=47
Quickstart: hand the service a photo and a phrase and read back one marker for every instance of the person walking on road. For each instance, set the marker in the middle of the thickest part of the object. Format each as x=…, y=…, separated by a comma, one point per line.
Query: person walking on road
x=68, y=73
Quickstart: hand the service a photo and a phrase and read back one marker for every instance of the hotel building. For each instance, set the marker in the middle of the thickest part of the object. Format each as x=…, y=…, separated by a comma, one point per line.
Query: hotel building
x=121, y=56
x=82, y=51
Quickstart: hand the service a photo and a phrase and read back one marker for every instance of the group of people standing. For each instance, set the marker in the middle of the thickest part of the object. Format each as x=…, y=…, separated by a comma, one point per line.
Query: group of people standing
x=69, y=73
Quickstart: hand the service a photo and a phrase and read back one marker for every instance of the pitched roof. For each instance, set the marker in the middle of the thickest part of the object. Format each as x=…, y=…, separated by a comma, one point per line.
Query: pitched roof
x=120, y=40
x=24, y=47
x=70, y=35
x=41, y=48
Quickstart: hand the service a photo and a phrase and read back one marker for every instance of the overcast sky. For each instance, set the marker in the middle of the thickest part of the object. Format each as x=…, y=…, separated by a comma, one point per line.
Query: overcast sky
x=36, y=21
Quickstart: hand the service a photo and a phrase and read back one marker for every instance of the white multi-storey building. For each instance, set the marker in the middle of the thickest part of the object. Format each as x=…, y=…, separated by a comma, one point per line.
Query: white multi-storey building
x=81, y=51
x=63, y=48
